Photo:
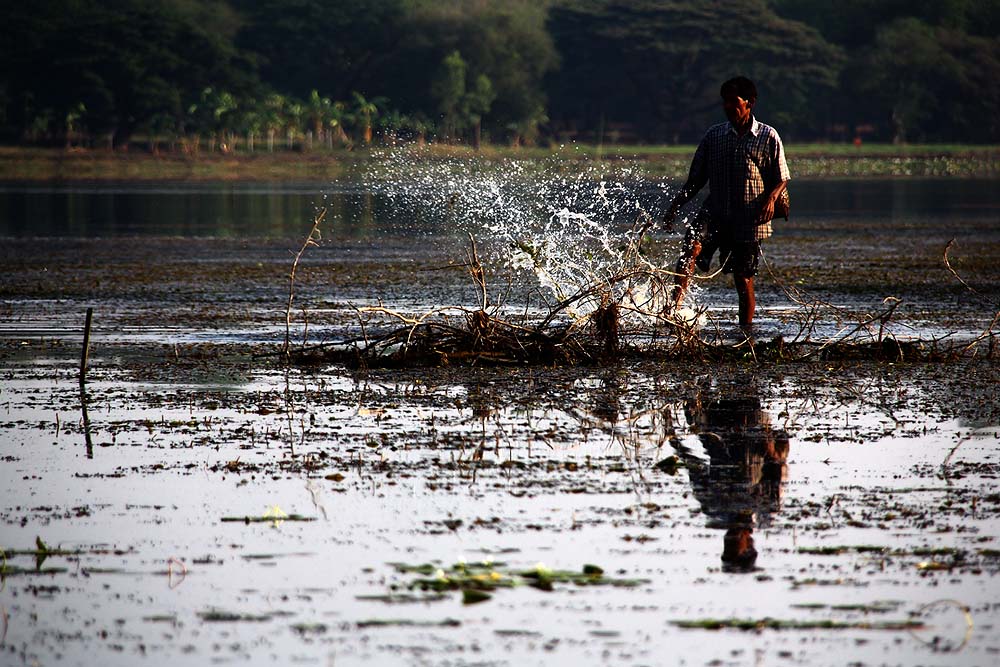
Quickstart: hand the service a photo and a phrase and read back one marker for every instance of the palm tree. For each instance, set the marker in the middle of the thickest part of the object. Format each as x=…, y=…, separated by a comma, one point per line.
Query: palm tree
x=73, y=118
x=293, y=122
x=251, y=121
x=226, y=118
x=273, y=116
x=335, y=121
x=214, y=112
x=365, y=111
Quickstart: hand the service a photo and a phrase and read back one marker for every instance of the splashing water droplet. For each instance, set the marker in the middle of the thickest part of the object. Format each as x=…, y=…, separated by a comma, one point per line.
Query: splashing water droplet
x=568, y=223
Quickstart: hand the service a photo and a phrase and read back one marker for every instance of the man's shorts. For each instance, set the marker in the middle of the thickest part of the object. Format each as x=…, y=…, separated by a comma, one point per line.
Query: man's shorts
x=740, y=258
x=709, y=244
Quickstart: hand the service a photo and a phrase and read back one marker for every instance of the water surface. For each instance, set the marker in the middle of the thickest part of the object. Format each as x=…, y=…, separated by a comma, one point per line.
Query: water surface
x=815, y=493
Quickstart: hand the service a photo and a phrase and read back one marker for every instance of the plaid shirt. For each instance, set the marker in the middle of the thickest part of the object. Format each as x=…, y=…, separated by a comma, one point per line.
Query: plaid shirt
x=740, y=172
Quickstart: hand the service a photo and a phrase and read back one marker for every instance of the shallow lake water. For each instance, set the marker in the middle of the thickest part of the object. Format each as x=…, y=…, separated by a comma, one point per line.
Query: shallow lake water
x=848, y=511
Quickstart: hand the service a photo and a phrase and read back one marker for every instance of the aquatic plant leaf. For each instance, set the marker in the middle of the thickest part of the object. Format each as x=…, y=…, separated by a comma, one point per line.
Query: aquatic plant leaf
x=221, y=616
x=41, y=554
x=405, y=622
x=758, y=624
x=267, y=518
x=472, y=596
x=423, y=568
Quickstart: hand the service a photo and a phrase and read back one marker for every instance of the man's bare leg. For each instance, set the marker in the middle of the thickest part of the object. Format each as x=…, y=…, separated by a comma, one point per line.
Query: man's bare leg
x=748, y=303
x=683, y=271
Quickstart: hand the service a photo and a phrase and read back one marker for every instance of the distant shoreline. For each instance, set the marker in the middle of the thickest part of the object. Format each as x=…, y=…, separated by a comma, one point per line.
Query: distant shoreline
x=807, y=161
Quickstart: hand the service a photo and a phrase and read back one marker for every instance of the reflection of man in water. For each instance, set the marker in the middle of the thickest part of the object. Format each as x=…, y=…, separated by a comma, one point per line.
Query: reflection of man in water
x=740, y=487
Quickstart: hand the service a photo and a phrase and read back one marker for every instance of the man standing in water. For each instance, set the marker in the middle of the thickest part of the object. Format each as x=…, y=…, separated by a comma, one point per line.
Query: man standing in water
x=743, y=162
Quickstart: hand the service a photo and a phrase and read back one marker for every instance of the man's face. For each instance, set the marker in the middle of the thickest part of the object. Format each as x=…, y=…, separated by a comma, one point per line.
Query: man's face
x=737, y=109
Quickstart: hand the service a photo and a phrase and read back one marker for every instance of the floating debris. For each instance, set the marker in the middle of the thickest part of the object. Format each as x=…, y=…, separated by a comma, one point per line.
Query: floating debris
x=406, y=622
x=478, y=580
x=757, y=625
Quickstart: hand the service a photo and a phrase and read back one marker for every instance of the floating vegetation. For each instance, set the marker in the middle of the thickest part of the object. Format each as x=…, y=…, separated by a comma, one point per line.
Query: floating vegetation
x=160, y=618
x=757, y=625
x=305, y=629
x=220, y=616
x=477, y=581
x=837, y=550
x=266, y=519
x=403, y=598
x=876, y=607
x=13, y=571
x=407, y=623
x=274, y=515
x=41, y=553
x=815, y=581
x=932, y=555
x=869, y=548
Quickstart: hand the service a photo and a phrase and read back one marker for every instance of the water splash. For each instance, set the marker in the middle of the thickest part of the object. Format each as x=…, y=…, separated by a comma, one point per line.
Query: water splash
x=571, y=224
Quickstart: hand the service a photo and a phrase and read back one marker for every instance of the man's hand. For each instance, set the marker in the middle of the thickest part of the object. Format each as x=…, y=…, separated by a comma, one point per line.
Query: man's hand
x=766, y=211
x=671, y=215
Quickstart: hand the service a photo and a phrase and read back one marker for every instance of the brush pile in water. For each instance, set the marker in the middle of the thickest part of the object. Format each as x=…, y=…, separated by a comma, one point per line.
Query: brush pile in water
x=625, y=318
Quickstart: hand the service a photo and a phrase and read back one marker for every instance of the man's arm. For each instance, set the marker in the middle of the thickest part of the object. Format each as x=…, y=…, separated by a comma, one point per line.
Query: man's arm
x=781, y=176
x=697, y=177
x=767, y=211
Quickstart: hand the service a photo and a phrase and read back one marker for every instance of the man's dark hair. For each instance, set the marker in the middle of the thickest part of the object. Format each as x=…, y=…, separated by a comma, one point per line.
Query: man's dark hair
x=742, y=86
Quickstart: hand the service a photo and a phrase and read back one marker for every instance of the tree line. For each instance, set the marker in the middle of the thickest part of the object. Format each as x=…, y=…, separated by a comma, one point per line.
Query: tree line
x=257, y=75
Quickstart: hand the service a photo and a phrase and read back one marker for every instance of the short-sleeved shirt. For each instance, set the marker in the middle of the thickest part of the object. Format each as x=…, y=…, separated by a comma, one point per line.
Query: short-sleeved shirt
x=740, y=171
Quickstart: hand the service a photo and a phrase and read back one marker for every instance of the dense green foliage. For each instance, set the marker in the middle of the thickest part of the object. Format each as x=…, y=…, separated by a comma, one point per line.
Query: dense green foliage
x=657, y=65
x=250, y=74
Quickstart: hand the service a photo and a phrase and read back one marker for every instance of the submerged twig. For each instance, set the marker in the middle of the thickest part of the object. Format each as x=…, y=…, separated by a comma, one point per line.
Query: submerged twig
x=936, y=642
x=174, y=562
x=947, y=265
x=311, y=240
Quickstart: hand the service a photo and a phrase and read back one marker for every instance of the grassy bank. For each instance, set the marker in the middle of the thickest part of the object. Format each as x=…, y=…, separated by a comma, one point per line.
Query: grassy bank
x=806, y=160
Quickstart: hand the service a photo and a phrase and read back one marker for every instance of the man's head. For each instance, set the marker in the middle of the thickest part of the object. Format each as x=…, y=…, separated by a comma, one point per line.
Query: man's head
x=739, y=95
